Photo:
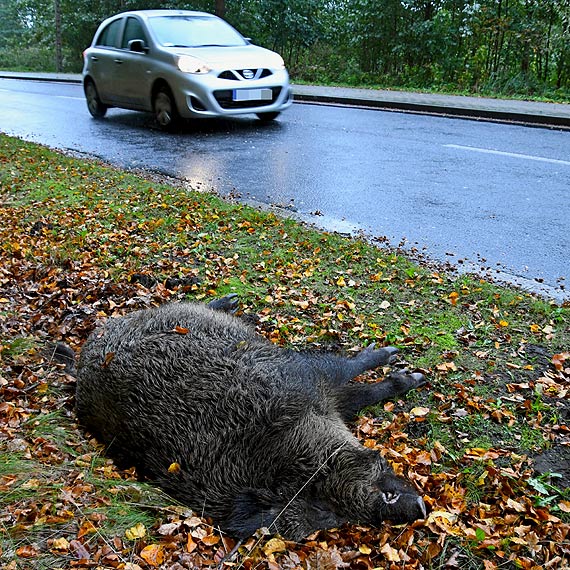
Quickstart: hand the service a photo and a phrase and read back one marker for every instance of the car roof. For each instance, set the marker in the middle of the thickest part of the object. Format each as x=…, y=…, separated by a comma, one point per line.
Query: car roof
x=164, y=12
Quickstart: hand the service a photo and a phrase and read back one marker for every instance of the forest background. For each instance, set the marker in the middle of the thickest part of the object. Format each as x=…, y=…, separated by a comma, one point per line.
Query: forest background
x=517, y=48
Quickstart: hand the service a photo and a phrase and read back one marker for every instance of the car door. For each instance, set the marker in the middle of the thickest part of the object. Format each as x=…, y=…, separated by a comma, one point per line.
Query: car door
x=136, y=65
x=105, y=61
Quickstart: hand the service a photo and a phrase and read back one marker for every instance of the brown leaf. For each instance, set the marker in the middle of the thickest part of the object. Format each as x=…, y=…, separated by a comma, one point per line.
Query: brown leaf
x=211, y=539
x=79, y=550
x=190, y=544
x=108, y=358
x=27, y=551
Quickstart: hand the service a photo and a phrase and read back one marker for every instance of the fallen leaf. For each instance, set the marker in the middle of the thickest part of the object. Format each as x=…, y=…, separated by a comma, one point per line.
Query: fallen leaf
x=174, y=468
x=390, y=553
x=27, y=551
x=274, y=545
x=419, y=412
x=79, y=549
x=136, y=532
x=108, y=358
x=211, y=539
x=559, y=359
x=153, y=554
x=168, y=528
x=60, y=544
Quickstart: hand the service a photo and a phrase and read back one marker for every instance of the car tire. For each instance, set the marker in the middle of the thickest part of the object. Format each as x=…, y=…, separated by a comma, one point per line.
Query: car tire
x=94, y=105
x=165, y=111
x=267, y=117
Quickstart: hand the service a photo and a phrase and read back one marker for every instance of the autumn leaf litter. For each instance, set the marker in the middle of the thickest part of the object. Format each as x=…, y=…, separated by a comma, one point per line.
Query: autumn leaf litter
x=486, y=441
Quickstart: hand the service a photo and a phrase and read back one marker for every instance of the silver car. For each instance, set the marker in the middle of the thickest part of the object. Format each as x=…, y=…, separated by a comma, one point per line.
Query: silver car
x=181, y=64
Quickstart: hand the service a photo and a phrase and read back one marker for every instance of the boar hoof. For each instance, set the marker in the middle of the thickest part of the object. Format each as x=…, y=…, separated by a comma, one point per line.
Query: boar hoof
x=227, y=304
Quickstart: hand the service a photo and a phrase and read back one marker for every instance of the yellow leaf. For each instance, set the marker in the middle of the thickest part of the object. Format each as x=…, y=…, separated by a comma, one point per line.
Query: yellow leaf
x=504, y=323
x=153, y=554
x=174, y=468
x=365, y=549
x=341, y=282
x=274, y=545
x=60, y=544
x=419, y=412
x=444, y=515
x=137, y=531
x=564, y=506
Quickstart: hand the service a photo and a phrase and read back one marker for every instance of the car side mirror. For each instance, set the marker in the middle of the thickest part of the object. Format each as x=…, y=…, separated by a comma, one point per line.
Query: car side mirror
x=138, y=46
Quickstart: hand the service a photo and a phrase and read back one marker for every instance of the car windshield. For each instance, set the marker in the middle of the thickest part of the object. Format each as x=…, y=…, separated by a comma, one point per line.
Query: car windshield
x=194, y=31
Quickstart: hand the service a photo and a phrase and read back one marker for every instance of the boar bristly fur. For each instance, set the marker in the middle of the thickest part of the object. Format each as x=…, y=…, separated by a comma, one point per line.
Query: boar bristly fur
x=251, y=434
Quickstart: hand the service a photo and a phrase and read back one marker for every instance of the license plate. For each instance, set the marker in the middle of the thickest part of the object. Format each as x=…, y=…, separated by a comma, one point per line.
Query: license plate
x=252, y=95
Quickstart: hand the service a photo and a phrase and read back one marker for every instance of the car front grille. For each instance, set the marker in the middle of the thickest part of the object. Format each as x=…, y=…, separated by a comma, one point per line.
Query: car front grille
x=240, y=74
x=224, y=97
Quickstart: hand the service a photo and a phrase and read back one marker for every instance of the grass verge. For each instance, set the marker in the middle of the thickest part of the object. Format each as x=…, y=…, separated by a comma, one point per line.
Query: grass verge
x=487, y=441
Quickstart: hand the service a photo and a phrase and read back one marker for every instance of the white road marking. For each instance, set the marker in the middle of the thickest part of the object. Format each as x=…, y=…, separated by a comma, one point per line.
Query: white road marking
x=511, y=154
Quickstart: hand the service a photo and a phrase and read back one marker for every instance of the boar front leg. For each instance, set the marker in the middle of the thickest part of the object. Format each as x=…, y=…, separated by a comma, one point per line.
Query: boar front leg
x=339, y=369
x=354, y=397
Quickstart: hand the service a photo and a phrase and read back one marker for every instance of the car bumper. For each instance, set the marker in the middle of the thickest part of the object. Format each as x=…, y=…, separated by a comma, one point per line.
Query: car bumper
x=210, y=96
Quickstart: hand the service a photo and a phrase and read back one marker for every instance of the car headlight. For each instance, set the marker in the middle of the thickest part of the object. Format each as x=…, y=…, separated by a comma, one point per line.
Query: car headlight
x=279, y=63
x=191, y=64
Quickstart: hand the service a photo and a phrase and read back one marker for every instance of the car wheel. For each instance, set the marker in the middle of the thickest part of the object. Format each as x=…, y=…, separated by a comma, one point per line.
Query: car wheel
x=165, y=112
x=266, y=117
x=96, y=108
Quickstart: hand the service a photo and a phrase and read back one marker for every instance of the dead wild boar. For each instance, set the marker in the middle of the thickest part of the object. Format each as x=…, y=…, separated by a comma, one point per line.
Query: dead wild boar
x=251, y=434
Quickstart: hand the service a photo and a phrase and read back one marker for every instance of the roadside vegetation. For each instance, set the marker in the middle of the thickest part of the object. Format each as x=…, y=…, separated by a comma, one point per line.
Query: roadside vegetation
x=486, y=441
x=504, y=48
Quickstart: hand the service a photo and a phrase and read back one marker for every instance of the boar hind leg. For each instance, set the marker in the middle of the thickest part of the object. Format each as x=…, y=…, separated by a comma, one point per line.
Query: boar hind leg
x=227, y=304
x=354, y=397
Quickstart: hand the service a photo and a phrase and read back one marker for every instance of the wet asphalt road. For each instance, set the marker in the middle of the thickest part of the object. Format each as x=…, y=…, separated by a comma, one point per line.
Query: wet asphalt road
x=488, y=197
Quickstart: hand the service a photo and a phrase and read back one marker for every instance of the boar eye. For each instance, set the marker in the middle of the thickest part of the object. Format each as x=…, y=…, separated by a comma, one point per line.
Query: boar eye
x=391, y=498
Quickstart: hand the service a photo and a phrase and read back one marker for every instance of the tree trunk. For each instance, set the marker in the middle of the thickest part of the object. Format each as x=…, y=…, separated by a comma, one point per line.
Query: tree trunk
x=221, y=8
x=58, y=42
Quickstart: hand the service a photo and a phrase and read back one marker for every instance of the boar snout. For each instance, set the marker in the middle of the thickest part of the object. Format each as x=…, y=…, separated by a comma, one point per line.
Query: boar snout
x=400, y=507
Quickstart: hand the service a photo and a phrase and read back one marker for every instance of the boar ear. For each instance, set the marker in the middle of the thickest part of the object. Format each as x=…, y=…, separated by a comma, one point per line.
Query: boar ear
x=253, y=509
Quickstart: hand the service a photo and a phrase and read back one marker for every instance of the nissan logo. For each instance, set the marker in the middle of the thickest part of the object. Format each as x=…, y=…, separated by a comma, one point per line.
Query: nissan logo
x=248, y=74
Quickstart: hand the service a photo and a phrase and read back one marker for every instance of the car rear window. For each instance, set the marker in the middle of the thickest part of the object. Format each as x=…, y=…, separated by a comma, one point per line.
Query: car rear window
x=110, y=35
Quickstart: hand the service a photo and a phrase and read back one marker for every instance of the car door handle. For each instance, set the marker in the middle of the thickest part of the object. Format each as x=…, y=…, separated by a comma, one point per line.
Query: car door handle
x=118, y=61
x=93, y=58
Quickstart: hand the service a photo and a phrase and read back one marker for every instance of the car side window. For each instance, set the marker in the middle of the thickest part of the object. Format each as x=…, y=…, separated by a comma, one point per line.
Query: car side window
x=109, y=37
x=133, y=31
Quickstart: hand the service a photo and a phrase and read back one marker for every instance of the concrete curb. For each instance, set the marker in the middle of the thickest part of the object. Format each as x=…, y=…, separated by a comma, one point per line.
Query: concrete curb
x=432, y=108
x=550, y=115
